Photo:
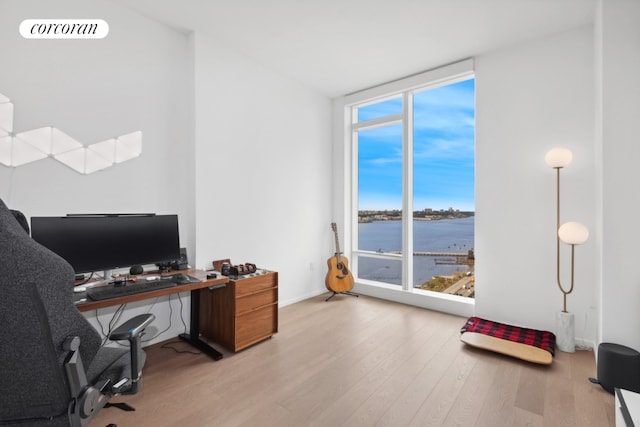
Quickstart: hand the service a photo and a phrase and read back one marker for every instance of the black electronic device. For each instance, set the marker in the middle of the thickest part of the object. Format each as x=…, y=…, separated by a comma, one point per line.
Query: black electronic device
x=181, y=263
x=180, y=279
x=136, y=269
x=618, y=367
x=102, y=242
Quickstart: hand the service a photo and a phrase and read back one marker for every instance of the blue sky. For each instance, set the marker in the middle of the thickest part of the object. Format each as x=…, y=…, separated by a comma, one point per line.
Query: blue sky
x=443, y=151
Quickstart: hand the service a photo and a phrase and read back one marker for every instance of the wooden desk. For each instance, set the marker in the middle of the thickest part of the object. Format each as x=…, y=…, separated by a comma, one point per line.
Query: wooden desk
x=193, y=337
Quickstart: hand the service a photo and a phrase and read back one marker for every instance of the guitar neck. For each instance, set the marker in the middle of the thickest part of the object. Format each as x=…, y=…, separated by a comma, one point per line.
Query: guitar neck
x=335, y=232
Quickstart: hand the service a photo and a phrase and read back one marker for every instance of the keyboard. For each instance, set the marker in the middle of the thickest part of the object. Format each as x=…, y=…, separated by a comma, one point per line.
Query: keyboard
x=110, y=291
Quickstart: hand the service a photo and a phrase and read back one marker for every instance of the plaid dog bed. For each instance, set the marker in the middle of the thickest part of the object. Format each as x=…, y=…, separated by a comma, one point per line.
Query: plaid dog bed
x=541, y=339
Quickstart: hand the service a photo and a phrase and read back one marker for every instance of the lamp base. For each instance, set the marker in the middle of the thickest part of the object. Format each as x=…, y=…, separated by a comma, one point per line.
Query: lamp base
x=565, y=332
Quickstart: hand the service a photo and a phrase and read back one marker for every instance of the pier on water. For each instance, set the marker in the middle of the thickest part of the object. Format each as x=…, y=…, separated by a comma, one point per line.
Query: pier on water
x=449, y=254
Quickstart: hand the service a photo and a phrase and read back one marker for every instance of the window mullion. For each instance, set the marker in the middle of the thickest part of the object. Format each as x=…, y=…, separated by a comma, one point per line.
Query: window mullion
x=407, y=192
x=354, y=195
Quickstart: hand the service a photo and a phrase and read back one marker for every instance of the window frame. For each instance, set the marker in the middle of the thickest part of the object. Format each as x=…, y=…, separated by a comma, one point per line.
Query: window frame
x=405, y=88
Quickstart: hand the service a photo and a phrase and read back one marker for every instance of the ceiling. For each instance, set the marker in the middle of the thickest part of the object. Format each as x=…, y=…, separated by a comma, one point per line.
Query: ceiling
x=341, y=46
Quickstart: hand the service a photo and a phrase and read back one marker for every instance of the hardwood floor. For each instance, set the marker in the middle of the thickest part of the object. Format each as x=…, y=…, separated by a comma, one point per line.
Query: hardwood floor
x=363, y=362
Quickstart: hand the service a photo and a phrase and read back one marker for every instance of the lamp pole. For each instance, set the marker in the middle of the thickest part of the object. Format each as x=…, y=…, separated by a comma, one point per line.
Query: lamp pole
x=558, y=158
x=564, y=292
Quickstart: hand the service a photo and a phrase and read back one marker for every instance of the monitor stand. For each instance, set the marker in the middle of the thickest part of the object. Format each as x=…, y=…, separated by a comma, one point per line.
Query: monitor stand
x=106, y=276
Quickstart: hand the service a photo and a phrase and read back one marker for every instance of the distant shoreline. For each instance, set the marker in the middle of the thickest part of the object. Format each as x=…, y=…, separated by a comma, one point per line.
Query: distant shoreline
x=426, y=215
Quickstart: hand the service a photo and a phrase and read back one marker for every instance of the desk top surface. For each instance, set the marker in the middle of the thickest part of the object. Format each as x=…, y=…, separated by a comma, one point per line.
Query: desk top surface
x=198, y=274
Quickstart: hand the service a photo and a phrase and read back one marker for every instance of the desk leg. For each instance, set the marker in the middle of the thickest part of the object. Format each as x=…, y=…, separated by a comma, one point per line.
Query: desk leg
x=193, y=337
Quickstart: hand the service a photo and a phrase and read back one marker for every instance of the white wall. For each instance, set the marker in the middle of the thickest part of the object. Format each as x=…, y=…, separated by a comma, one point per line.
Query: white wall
x=531, y=98
x=620, y=147
x=263, y=170
x=134, y=79
x=137, y=78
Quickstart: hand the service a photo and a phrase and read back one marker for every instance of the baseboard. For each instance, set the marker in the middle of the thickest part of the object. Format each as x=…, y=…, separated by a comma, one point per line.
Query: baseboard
x=284, y=303
x=583, y=344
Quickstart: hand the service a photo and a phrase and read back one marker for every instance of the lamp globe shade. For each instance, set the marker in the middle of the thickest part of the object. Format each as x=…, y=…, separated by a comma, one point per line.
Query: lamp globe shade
x=558, y=157
x=573, y=233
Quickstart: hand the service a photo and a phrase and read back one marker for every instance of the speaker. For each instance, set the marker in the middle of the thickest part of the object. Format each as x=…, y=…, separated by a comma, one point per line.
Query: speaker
x=182, y=263
x=618, y=367
x=136, y=269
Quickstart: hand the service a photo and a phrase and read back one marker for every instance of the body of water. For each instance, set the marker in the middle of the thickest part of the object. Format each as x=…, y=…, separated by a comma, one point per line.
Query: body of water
x=452, y=235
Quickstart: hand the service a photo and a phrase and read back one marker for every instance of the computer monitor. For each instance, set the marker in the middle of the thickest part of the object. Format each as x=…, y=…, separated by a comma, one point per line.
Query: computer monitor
x=107, y=241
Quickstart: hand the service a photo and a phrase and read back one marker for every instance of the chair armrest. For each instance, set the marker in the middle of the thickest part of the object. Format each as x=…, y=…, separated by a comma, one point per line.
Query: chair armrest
x=132, y=328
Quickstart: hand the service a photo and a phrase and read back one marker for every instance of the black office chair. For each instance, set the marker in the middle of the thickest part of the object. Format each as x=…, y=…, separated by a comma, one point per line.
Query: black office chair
x=45, y=343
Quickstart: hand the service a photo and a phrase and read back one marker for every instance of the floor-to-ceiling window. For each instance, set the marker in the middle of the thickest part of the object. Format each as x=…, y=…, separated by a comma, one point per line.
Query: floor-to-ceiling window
x=412, y=184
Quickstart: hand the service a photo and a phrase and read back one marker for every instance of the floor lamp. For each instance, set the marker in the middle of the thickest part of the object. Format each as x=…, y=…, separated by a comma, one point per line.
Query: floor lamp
x=572, y=233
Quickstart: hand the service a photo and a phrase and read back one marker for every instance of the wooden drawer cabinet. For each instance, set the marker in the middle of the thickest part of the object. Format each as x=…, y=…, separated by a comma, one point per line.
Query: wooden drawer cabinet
x=241, y=314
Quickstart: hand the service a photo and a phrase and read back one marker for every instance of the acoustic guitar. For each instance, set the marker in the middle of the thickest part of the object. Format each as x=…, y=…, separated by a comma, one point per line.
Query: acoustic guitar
x=339, y=278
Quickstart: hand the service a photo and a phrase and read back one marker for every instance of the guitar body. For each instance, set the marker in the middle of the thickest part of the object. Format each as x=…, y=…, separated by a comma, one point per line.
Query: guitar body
x=338, y=278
